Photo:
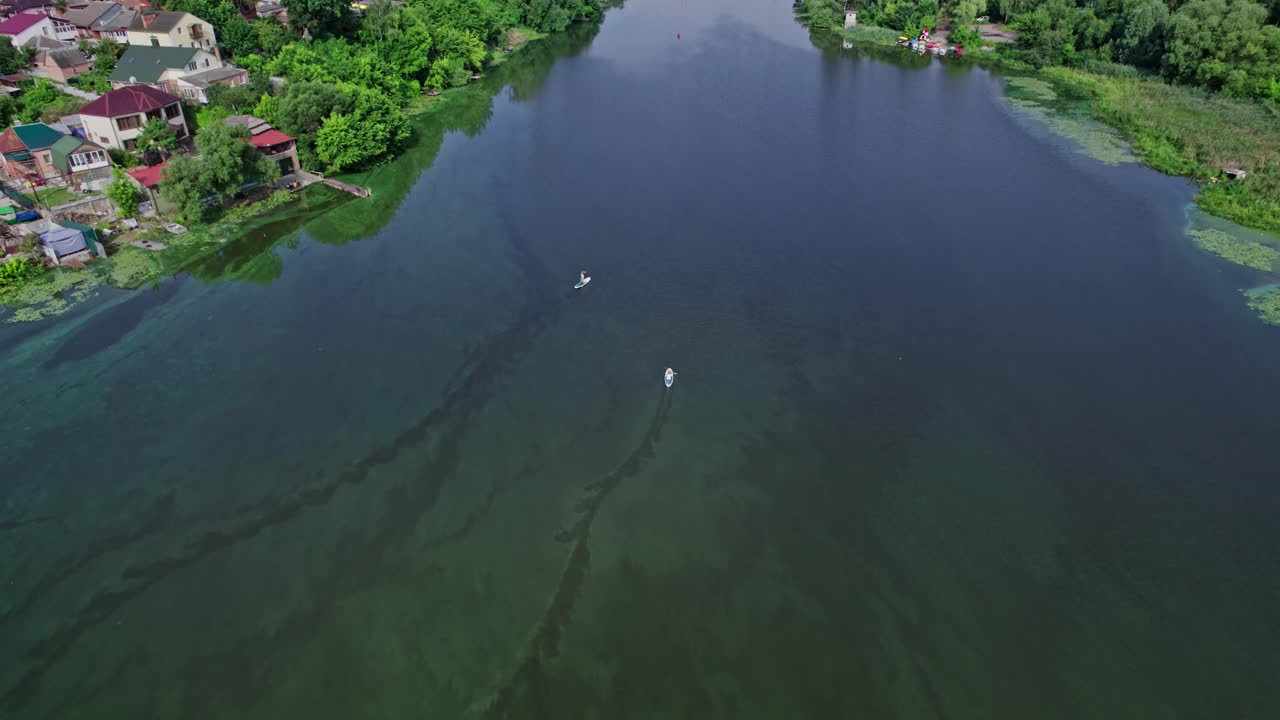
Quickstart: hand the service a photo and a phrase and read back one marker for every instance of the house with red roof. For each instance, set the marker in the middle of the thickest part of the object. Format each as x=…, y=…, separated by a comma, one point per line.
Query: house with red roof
x=147, y=180
x=273, y=144
x=27, y=27
x=116, y=118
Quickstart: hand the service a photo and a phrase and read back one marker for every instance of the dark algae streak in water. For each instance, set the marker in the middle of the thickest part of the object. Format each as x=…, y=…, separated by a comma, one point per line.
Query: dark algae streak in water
x=521, y=690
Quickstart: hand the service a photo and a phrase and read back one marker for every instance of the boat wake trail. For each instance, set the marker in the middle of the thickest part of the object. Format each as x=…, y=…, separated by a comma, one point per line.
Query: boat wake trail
x=545, y=644
x=465, y=394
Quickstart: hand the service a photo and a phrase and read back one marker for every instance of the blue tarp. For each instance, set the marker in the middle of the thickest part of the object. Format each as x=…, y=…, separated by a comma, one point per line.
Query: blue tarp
x=63, y=241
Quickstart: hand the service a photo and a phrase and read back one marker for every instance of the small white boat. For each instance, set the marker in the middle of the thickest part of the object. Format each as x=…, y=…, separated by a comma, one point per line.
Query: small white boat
x=582, y=282
x=175, y=228
x=668, y=377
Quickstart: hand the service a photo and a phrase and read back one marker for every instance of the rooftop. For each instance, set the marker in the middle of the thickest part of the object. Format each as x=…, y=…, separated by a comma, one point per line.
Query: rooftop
x=89, y=14
x=269, y=138
x=162, y=21
x=20, y=22
x=208, y=77
x=66, y=57
x=143, y=64
x=128, y=100
x=254, y=125
x=37, y=136
x=148, y=176
x=44, y=42
x=69, y=145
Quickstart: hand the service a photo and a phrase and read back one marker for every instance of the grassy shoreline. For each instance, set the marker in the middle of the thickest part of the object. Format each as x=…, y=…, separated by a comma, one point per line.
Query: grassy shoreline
x=235, y=246
x=1177, y=130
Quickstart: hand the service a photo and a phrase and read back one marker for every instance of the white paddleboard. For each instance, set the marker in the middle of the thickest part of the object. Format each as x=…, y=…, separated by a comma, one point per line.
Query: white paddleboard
x=581, y=283
x=668, y=377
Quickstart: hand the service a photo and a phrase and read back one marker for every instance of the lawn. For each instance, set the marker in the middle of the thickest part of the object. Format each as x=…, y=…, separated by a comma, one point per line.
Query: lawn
x=51, y=196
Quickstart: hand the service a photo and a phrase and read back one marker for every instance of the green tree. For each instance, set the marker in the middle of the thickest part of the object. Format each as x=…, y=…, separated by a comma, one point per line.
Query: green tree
x=11, y=58
x=157, y=134
x=105, y=49
x=304, y=106
x=461, y=44
x=267, y=109
x=318, y=17
x=186, y=185
x=42, y=95
x=399, y=35
x=123, y=193
x=272, y=36
x=1143, y=26
x=226, y=163
x=478, y=17
x=1202, y=37
x=231, y=160
x=338, y=142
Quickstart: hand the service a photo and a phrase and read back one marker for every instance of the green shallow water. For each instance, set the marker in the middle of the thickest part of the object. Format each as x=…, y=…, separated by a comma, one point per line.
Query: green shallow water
x=987, y=444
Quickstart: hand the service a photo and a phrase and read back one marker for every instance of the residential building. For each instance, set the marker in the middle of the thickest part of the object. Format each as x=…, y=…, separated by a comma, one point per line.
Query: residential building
x=100, y=18
x=193, y=86
x=167, y=28
x=25, y=27
x=9, y=8
x=273, y=144
x=39, y=154
x=148, y=181
x=272, y=8
x=61, y=64
x=9, y=84
x=116, y=118
x=160, y=67
x=116, y=27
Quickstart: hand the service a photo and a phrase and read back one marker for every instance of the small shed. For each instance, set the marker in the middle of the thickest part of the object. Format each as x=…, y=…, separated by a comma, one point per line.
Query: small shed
x=68, y=240
x=64, y=244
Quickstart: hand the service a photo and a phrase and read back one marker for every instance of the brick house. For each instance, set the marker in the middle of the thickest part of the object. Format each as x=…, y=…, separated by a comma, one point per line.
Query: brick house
x=39, y=154
x=61, y=64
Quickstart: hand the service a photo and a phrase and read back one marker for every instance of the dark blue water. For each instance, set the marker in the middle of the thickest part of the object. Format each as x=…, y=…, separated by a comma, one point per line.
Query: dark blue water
x=964, y=427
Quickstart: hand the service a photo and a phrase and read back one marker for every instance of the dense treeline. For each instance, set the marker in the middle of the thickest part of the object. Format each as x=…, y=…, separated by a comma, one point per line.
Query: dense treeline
x=350, y=76
x=1230, y=46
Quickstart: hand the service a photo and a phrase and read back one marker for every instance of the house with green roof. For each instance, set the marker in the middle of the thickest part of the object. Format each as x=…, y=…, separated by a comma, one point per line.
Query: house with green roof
x=40, y=155
x=166, y=68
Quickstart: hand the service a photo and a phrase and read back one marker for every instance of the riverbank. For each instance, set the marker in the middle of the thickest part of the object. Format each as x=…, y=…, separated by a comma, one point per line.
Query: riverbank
x=237, y=246
x=1177, y=130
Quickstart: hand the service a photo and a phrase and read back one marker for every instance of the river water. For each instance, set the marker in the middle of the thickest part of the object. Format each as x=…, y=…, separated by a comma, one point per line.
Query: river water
x=964, y=425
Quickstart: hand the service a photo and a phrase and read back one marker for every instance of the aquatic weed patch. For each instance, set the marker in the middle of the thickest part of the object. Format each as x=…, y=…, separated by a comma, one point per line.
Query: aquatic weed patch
x=1182, y=130
x=1249, y=253
x=58, y=292
x=1267, y=305
x=1093, y=138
